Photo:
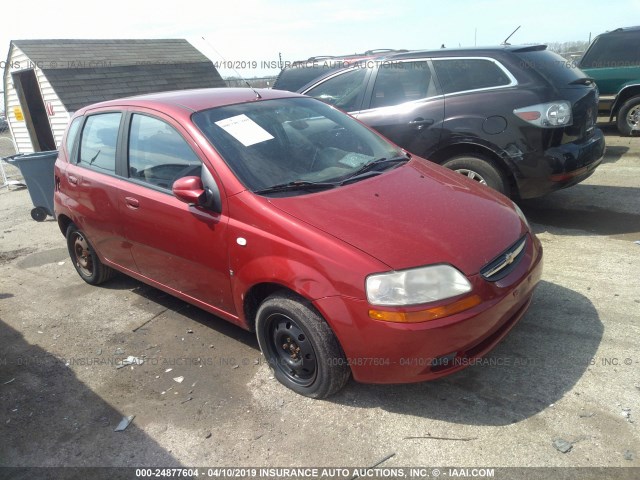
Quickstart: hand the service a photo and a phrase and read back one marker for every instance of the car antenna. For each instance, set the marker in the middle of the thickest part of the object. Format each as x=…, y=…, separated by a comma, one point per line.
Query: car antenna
x=258, y=96
x=506, y=39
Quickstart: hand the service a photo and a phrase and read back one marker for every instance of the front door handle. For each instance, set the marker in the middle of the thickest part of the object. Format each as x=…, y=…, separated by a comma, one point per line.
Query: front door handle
x=72, y=179
x=132, y=202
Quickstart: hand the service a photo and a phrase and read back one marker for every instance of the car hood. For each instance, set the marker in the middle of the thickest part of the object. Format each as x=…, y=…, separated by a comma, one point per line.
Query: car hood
x=417, y=214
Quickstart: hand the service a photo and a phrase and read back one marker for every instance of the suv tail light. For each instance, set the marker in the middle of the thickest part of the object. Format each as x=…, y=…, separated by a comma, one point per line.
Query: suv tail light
x=547, y=115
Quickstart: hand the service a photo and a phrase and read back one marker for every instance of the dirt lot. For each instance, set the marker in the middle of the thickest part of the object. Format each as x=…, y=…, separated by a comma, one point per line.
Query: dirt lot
x=569, y=370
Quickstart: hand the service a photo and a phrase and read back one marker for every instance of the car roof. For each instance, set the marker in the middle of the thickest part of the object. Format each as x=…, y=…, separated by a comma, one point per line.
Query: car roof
x=621, y=30
x=467, y=51
x=195, y=100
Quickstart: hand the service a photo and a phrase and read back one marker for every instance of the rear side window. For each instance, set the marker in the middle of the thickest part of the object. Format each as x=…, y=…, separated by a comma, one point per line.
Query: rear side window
x=610, y=51
x=158, y=154
x=399, y=82
x=344, y=91
x=463, y=74
x=98, y=143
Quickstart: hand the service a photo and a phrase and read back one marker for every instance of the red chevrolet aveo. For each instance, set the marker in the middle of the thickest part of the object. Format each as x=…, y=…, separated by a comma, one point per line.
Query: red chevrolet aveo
x=344, y=253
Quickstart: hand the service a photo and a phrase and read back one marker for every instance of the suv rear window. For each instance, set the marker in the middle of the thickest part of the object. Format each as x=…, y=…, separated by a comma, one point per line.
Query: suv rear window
x=462, y=74
x=610, y=51
x=555, y=69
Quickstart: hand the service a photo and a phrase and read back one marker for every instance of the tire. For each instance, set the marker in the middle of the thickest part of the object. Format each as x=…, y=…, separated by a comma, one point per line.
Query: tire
x=300, y=346
x=39, y=214
x=84, y=258
x=629, y=117
x=480, y=169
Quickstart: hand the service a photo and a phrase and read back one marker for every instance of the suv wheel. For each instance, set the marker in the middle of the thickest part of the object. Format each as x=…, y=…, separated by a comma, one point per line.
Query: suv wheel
x=300, y=346
x=85, y=259
x=481, y=170
x=629, y=117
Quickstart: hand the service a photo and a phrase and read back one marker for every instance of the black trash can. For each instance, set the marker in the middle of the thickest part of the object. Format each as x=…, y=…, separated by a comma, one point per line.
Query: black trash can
x=37, y=170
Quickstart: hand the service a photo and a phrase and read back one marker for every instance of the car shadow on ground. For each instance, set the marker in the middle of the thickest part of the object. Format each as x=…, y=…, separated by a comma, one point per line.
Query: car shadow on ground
x=541, y=360
x=169, y=302
x=75, y=427
x=584, y=207
x=538, y=363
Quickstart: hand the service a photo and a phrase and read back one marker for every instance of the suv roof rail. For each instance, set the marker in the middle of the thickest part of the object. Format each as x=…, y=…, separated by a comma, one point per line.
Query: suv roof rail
x=320, y=57
x=384, y=50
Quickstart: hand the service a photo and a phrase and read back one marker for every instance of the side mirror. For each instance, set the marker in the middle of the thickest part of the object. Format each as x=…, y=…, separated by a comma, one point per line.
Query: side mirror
x=189, y=190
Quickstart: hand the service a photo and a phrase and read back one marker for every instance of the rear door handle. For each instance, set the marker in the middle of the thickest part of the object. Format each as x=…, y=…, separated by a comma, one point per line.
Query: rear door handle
x=132, y=202
x=72, y=179
x=421, y=122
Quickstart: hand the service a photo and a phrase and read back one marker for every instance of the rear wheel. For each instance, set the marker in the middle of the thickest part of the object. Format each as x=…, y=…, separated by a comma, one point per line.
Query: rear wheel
x=84, y=258
x=480, y=169
x=300, y=346
x=629, y=117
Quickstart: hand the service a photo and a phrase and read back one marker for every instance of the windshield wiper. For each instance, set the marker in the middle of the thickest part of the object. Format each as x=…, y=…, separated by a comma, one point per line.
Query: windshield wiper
x=371, y=166
x=297, y=185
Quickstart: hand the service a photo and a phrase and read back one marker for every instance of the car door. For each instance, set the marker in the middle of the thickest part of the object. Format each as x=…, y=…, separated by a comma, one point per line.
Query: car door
x=405, y=104
x=91, y=179
x=179, y=246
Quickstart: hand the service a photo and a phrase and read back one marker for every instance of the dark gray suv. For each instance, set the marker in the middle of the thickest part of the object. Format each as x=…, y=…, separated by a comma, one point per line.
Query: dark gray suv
x=518, y=119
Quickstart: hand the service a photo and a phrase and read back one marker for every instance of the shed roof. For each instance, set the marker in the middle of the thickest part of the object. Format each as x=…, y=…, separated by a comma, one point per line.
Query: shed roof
x=83, y=72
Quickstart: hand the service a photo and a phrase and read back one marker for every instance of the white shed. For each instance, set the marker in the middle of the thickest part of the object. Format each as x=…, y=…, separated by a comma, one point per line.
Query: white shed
x=45, y=81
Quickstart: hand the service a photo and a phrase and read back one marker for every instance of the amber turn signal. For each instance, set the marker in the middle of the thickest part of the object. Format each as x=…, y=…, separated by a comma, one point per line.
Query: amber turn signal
x=428, y=314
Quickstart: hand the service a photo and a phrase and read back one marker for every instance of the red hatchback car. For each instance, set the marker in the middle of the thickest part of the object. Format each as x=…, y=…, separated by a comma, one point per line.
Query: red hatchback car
x=346, y=254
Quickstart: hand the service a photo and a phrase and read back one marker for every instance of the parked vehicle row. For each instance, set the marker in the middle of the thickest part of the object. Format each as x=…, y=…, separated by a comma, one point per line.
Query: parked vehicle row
x=347, y=255
x=519, y=119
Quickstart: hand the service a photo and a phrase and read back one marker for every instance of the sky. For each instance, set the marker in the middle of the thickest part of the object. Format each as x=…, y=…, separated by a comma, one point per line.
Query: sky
x=259, y=32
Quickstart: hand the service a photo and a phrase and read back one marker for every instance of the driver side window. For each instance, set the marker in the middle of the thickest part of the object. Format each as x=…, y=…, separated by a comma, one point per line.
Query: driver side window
x=158, y=154
x=344, y=91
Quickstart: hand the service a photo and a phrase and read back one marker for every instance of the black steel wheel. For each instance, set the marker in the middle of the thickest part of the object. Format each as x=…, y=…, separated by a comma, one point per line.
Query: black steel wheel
x=84, y=258
x=39, y=214
x=300, y=346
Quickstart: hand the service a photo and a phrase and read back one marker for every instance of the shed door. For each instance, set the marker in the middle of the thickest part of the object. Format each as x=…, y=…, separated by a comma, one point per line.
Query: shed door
x=35, y=114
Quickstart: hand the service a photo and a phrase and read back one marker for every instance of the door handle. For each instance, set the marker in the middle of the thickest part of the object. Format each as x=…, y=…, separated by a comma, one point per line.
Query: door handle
x=132, y=202
x=421, y=122
x=72, y=179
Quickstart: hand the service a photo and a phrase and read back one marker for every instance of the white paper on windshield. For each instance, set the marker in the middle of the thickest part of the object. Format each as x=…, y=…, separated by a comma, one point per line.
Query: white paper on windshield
x=245, y=130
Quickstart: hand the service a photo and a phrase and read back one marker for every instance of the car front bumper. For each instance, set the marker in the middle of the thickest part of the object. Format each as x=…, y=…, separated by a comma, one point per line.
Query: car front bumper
x=387, y=352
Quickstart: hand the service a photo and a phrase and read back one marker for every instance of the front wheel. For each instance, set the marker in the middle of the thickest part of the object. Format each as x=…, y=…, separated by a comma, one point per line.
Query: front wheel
x=300, y=346
x=85, y=259
x=481, y=170
x=629, y=117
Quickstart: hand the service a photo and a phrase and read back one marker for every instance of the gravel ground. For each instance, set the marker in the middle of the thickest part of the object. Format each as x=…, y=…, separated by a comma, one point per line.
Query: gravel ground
x=568, y=371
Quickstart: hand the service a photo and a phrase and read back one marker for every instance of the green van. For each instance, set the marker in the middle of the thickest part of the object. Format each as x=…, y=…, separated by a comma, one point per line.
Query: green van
x=613, y=61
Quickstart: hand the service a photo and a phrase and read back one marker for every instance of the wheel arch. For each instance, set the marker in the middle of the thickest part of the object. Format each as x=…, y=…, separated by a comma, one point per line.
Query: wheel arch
x=63, y=223
x=256, y=295
x=459, y=149
x=627, y=92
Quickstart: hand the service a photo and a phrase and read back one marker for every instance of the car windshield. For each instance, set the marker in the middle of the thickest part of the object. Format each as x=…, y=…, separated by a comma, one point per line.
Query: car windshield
x=299, y=141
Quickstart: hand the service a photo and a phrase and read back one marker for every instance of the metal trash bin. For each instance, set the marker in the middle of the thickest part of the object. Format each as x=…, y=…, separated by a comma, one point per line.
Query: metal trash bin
x=37, y=171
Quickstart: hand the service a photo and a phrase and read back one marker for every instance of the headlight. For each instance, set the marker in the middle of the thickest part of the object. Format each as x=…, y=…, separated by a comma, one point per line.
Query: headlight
x=416, y=286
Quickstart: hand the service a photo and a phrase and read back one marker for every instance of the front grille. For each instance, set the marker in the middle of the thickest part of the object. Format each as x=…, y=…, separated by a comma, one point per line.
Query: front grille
x=503, y=264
